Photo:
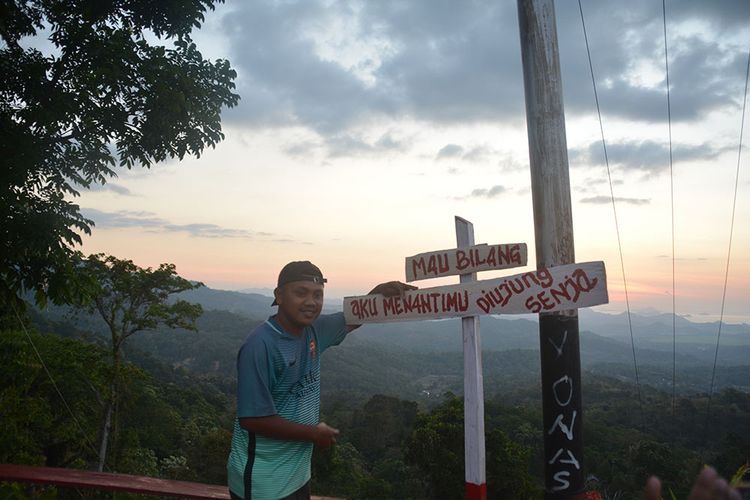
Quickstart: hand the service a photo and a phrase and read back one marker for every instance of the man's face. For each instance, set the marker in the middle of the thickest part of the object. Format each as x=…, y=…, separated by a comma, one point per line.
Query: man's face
x=300, y=303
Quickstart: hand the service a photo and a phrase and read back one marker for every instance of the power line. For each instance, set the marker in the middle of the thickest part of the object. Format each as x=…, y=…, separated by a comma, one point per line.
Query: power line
x=729, y=250
x=52, y=380
x=614, y=211
x=671, y=197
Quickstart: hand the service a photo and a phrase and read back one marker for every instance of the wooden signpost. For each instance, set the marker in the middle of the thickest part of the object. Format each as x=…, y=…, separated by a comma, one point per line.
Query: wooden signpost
x=544, y=290
x=464, y=260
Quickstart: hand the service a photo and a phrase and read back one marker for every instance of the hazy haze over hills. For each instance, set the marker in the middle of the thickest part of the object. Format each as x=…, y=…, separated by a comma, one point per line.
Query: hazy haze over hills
x=422, y=359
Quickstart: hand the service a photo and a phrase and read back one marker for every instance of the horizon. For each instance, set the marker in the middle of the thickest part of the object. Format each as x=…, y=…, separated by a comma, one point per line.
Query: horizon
x=334, y=301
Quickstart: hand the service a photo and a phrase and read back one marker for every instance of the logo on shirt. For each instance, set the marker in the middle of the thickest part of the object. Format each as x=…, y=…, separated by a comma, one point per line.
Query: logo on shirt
x=313, y=349
x=308, y=384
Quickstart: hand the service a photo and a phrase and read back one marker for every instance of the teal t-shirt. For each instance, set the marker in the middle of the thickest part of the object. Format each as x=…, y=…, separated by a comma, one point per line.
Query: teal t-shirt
x=278, y=374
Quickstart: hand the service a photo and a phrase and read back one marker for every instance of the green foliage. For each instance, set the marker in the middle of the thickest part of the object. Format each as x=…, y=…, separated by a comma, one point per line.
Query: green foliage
x=394, y=420
x=368, y=461
x=436, y=447
x=177, y=415
x=739, y=474
x=131, y=299
x=167, y=431
x=18, y=491
x=672, y=465
x=38, y=429
x=508, y=468
x=339, y=470
x=102, y=97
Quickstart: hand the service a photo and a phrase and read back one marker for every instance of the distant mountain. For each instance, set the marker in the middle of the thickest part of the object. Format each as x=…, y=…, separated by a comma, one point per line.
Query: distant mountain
x=422, y=359
x=244, y=303
x=655, y=332
x=657, y=328
x=603, y=335
x=252, y=305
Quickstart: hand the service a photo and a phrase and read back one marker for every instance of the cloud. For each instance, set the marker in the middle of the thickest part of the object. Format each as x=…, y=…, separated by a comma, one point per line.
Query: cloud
x=626, y=40
x=476, y=154
x=648, y=156
x=349, y=145
x=683, y=259
x=150, y=222
x=331, y=66
x=302, y=148
x=449, y=151
x=605, y=200
x=283, y=79
x=343, y=145
x=493, y=192
x=113, y=188
x=446, y=63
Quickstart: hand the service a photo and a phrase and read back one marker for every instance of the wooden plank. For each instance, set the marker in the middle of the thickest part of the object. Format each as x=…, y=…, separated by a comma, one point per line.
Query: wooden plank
x=108, y=481
x=457, y=261
x=474, y=447
x=551, y=289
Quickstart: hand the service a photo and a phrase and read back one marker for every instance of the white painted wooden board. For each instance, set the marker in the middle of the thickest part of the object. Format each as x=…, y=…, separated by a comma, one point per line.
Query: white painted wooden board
x=457, y=261
x=474, y=447
x=543, y=290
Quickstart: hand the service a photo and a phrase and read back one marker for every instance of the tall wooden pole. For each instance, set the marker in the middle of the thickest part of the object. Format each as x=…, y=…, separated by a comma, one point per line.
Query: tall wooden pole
x=553, y=226
x=475, y=475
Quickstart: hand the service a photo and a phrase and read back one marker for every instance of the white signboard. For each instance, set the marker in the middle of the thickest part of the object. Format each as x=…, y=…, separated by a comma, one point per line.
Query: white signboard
x=544, y=290
x=465, y=260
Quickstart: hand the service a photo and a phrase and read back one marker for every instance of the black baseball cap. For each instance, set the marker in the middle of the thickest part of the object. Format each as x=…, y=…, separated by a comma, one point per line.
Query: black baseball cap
x=300, y=270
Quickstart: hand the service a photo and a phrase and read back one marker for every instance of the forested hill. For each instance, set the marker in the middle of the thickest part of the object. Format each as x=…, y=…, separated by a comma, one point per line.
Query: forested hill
x=650, y=332
x=427, y=354
x=606, y=338
x=394, y=392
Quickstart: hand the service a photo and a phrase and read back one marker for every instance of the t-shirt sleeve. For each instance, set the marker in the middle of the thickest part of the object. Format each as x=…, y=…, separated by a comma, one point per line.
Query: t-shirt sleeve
x=331, y=329
x=254, y=379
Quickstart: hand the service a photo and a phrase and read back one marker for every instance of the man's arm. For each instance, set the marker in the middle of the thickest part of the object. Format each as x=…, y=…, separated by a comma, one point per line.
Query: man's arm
x=277, y=427
x=389, y=289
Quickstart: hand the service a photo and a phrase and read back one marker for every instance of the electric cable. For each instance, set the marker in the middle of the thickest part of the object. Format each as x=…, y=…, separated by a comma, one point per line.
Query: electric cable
x=671, y=197
x=52, y=380
x=614, y=211
x=729, y=250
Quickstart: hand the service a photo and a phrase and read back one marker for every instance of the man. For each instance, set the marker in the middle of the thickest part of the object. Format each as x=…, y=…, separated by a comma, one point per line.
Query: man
x=278, y=389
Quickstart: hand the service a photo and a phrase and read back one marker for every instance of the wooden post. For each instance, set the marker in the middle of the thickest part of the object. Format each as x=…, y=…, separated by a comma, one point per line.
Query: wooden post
x=476, y=482
x=553, y=226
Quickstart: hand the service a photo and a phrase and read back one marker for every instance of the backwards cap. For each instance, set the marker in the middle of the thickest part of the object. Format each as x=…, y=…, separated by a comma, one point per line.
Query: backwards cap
x=302, y=270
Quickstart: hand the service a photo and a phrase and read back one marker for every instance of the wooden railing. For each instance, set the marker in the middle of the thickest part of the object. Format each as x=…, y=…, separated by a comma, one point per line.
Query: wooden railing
x=109, y=481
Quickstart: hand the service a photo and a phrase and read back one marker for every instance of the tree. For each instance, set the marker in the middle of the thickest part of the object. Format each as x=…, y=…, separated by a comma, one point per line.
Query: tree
x=38, y=428
x=131, y=299
x=436, y=447
x=383, y=424
x=103, y=97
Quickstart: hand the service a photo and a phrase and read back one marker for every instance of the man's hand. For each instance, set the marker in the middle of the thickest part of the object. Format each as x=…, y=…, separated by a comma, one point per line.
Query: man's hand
x=388, y=289
x=392, y=288
x=708, y=486
x=325, y=435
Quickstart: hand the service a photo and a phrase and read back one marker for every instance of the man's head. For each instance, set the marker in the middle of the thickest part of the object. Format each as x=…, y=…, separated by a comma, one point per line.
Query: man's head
x=299, y=295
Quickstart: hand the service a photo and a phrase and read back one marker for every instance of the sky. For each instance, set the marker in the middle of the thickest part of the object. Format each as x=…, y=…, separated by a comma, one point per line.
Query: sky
x=364, y=128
